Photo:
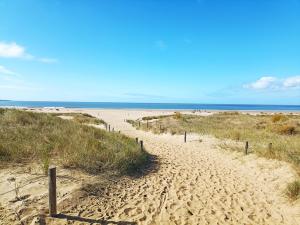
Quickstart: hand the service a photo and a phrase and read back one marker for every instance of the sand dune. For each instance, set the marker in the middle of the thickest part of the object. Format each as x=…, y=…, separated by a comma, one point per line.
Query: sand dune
x=196, y=183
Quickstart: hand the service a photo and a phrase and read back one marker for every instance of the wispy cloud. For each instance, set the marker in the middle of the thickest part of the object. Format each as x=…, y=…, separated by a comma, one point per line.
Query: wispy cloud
x=161, y=44
x=5, y=71
x=262, y=83
x=271, y=82
x=292, y=82
x=13, y=50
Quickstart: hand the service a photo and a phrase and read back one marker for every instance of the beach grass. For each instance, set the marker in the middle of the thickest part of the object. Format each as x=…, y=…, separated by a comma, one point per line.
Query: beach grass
x=47, y=139
x=272, y=136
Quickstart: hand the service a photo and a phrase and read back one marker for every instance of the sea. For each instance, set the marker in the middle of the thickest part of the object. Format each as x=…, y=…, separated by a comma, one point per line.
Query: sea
x=162, y=106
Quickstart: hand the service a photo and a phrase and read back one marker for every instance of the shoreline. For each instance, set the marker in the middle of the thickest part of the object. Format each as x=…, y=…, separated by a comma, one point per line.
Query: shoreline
x=193, y=111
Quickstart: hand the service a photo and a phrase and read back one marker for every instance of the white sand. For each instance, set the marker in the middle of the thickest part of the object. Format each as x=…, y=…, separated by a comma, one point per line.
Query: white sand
x=196, y=183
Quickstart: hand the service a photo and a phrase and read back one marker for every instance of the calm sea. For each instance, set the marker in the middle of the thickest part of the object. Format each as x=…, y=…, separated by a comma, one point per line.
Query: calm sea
x=118, y=105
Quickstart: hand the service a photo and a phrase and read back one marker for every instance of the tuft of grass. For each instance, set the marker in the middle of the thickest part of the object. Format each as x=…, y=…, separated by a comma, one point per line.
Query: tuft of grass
x=40, y=137
x=277, y=117
x=83, y=118
x=177, y=115
x=287, y=129
x=293, y=190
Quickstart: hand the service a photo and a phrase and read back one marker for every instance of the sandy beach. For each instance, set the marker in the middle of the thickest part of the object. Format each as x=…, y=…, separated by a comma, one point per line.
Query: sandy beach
x=194, y=183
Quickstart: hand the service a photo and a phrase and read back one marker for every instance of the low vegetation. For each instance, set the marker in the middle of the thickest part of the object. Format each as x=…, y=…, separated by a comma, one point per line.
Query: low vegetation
x=282, y=130
x=82, y=118
x=46, y=138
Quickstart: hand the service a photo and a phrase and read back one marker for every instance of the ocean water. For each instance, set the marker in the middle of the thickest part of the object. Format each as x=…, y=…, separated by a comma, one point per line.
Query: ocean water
x=123, y=105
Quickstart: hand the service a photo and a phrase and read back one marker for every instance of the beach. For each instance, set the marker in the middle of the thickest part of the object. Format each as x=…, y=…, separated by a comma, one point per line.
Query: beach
x=194, y=183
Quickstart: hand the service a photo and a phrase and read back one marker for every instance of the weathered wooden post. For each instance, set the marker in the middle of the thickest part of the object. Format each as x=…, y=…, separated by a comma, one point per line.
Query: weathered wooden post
x=142, y=145
x=52, y=191
x=147, y=124
x=270, y=146
x=137, y=140
x=159, y=128
x=184, y=136
x=108, y=128
x=246, y=147
x=139, y=123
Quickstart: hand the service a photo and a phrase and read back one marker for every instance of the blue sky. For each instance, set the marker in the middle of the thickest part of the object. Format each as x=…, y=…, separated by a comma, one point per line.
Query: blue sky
x=191, y=51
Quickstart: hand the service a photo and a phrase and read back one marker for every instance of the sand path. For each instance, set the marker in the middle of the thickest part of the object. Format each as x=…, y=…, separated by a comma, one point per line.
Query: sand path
x=197, y=183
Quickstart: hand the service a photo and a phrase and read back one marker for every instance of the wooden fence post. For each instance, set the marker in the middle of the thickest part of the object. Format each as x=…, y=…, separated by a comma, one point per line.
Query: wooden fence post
x=142, y=145
x=108, y=128
x=184, y=136
x=52, y=191
x=137, y=140
x=246, y=147
x=270, y=146
x=139, y=123
x=147, y=124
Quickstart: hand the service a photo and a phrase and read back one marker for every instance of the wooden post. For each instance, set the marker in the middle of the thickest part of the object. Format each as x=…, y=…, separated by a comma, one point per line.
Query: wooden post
x=52, y=191
x=147, y=124
x=137, y=140
x=270, y=146
x=108, y=128
x=184, y=136
x=246, y=147
x=142, y=145
x=139, y=123
x=159, y=128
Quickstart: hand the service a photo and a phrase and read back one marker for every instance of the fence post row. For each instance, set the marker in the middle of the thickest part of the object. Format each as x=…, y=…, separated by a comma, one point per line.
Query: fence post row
x=246, y=147
x=52, y=191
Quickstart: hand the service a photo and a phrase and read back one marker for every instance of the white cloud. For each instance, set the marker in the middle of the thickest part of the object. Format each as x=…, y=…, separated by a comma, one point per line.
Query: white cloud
x=262, y=83
x=292, y=82
x=6, y=71
x=161, y=44
x=13, y=50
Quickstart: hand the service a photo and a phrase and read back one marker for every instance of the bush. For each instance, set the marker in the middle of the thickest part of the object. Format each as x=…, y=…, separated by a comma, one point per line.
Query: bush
x=277, y=117
x=293, y=190
x=177, y=115
x=287, y=129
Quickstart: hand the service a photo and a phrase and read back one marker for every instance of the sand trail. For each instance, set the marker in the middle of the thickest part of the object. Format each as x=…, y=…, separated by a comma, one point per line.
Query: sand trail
x=196, y=183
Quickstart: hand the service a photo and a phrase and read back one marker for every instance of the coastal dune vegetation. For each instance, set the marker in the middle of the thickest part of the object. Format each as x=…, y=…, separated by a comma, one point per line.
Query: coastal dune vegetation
x=274, y=136
x=45, y=138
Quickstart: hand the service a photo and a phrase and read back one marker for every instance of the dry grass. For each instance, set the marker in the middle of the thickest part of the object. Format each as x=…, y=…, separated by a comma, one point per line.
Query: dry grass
x=45, y=138
x=283, y=131
x=83, y=118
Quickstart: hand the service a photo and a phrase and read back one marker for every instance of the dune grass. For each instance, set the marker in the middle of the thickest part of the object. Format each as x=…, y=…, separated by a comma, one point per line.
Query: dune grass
x=83, y=118
x=46, y=138
x=283, y=131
